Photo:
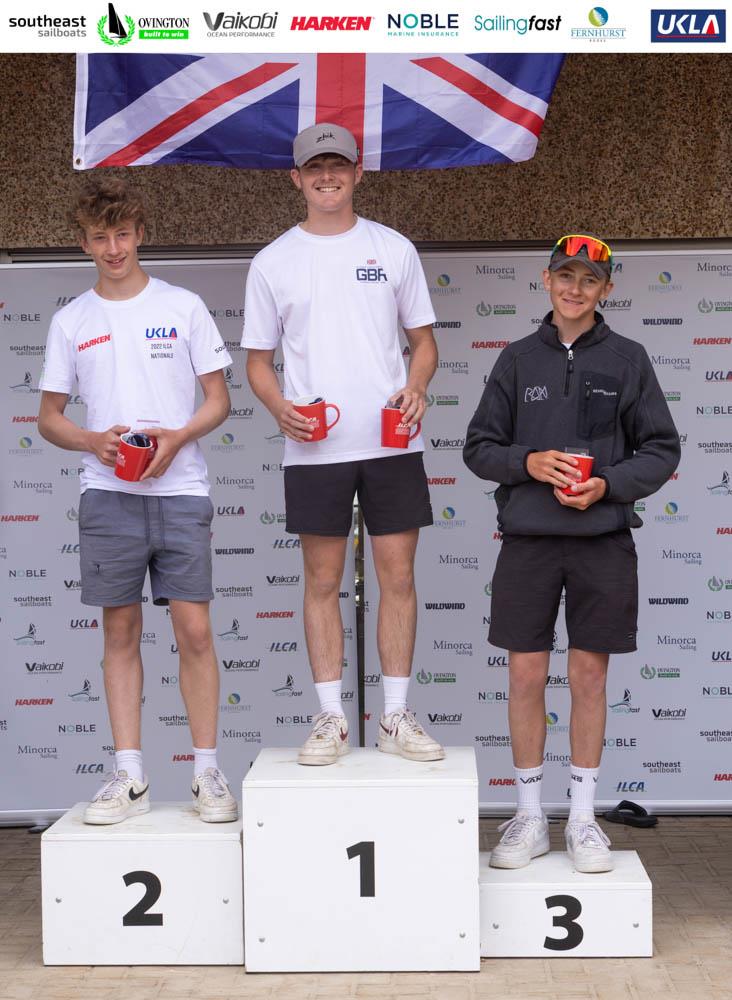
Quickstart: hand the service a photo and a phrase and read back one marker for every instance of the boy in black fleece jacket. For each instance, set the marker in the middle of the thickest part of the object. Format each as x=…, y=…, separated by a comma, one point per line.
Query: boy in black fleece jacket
x=573, y=386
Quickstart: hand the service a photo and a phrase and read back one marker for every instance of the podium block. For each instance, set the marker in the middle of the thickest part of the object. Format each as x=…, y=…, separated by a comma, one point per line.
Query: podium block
x=549, y=910
x=158, y=889
x=369, y=864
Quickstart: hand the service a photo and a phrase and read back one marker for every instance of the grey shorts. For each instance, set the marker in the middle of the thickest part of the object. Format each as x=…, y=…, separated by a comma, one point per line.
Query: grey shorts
x=121, y=535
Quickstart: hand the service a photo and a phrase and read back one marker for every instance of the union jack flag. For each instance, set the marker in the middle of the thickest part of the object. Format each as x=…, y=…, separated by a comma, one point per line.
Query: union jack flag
x=406, y=111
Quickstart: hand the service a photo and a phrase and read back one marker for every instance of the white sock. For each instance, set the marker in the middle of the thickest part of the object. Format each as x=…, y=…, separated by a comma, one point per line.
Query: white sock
x=130, y=761
x=395, y=693
x=582, y=785
x=528, y=788
x=329, y=695
x=203, y=759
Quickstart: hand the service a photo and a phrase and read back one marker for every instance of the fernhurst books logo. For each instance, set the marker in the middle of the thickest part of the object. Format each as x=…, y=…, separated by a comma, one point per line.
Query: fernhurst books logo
x=684, y=25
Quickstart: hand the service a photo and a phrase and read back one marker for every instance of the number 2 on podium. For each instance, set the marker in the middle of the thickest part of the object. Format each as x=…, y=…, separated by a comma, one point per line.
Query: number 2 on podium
x=364, y=851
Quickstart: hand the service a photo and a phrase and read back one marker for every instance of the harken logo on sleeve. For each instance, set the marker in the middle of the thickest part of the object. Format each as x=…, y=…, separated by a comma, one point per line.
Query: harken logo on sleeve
x=535, y=393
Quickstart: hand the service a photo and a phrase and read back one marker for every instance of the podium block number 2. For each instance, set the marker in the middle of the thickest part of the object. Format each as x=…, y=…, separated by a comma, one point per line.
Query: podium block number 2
x=364, y=851
x=567, y=920
x=138, y=916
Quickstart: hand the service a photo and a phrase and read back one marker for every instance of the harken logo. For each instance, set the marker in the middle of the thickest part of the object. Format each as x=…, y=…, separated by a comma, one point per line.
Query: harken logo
x=352, y=23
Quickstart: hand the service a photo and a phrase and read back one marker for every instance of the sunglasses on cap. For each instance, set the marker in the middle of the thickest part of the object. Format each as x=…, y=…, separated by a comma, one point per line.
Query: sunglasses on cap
x=593, y=248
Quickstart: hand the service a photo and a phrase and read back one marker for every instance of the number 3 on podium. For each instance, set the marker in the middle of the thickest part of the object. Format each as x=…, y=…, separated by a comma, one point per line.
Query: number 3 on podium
x=572, y=909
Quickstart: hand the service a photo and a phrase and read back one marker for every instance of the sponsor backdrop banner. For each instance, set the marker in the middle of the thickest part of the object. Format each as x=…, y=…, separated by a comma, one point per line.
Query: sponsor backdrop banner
x=669, y=730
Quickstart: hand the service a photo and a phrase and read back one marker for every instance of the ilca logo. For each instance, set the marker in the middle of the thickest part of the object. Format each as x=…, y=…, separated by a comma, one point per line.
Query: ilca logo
x=112, y=31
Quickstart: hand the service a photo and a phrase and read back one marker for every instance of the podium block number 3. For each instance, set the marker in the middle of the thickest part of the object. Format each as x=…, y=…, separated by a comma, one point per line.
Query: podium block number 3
x=567, y=920
x=364, y=851
x=138, y=915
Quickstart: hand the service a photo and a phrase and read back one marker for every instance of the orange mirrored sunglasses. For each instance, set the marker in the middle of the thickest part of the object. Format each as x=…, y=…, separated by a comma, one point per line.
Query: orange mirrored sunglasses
x=574, y=243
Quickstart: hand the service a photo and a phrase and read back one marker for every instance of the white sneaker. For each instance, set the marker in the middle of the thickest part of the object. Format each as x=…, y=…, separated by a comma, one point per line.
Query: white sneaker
x=526, y=836
x=587, y=846
x=400, y=733
x=212, y=798
x=327, y=742
x=121, y=796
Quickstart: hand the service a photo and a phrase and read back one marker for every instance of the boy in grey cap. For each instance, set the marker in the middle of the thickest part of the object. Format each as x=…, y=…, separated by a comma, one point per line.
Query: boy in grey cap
x=334, y=290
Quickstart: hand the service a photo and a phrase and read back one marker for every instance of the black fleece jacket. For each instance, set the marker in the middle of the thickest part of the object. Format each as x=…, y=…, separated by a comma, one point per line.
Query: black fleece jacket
x=602, y=396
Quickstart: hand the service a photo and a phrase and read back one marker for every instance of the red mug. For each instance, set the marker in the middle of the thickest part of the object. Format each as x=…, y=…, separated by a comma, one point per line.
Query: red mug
x=585, y=470
x=133, y=457
x=314, y=411
x=394, y=432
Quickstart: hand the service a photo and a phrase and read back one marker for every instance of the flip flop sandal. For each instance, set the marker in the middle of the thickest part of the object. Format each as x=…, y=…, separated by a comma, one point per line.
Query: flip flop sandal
x=631, y=814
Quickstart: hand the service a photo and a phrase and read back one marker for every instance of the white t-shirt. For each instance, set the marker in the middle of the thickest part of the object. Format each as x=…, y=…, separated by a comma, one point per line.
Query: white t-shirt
x=136, y=361
x=337, y=302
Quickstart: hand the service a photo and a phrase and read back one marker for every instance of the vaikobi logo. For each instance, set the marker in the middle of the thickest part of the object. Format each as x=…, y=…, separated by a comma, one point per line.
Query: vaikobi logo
x=689, y=25
x=115, y=30
x=240, y=25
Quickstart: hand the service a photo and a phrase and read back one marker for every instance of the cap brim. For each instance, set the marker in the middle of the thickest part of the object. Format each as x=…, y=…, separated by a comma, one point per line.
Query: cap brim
x=601, y=269
x=312, y=153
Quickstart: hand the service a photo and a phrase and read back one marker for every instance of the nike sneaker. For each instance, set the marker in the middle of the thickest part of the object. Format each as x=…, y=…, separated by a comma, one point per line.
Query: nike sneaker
x=327, y=742
x=587, y=846
x=212, y=798
x=400, y=733
x=119, y=797
x=526, y=836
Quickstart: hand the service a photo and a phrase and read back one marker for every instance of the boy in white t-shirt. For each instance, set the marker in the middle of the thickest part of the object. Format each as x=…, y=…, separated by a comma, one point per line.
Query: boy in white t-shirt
x=137, y=346
x=334, y=290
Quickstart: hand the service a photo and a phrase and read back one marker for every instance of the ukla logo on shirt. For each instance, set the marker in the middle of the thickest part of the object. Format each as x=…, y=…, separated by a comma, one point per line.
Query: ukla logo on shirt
x=161, y=333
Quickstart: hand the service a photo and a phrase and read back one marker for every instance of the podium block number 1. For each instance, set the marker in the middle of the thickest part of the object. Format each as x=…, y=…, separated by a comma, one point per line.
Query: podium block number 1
x=138, y=916
x=364, y=850
x=567, y=920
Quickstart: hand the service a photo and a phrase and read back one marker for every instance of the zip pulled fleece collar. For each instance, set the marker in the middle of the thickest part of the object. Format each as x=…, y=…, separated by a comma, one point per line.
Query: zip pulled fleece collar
x=549, y=334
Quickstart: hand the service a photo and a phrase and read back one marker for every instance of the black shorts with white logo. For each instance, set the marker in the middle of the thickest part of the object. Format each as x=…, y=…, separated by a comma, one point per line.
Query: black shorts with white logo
x=392, y=492
x=599, y=574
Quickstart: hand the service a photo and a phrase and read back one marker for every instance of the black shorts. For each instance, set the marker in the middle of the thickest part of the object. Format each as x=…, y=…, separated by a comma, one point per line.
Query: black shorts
x=392, y=492
x=600, y=579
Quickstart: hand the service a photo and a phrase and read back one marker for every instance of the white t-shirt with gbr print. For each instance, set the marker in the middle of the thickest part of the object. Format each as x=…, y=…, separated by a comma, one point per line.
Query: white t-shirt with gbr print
x=336, y=303
x=136, y=361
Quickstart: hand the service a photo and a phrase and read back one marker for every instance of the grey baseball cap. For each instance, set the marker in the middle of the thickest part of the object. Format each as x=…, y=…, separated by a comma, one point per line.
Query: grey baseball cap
x=602, y=269
x=324, y=138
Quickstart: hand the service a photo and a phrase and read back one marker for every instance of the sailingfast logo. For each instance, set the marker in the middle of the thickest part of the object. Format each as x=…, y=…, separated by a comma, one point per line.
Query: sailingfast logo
x=232, y=634
x=625, y=705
